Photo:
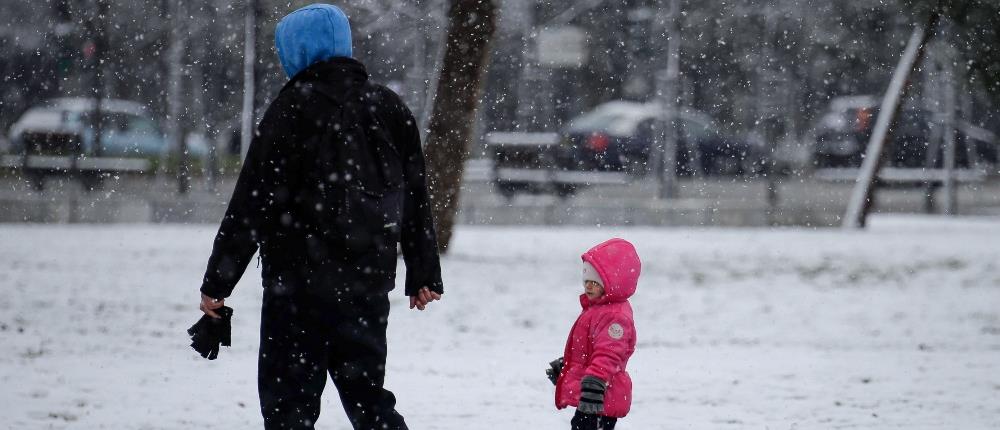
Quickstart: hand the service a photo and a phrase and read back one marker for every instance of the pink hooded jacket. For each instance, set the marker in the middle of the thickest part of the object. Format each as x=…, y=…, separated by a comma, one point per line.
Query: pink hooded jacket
x=603, y=337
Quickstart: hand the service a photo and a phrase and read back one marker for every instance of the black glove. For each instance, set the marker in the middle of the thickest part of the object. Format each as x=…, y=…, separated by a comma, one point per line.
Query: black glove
x=591, y=395
x=208, y=333
x=555, y=368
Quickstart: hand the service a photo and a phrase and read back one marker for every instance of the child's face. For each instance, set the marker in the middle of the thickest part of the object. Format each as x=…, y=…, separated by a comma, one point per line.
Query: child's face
x=593, y=290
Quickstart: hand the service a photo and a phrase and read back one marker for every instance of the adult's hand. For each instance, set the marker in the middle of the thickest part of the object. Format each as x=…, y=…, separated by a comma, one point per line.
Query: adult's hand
x=423, y=298
x=209, y=305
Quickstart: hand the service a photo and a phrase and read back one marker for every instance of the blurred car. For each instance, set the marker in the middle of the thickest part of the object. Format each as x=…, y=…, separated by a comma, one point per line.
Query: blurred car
x=620, y=136
x=843, y=131
x=63, y=126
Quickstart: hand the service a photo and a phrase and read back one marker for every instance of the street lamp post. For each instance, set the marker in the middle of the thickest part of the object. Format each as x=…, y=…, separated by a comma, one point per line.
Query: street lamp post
x=249, y=57
x=666, y=159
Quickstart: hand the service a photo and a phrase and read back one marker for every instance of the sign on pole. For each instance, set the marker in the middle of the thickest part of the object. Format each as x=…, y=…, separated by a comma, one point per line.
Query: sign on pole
x=564, y=46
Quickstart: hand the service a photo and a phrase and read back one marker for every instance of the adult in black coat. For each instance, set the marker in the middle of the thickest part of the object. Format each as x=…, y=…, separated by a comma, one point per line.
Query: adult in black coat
x=332, y=185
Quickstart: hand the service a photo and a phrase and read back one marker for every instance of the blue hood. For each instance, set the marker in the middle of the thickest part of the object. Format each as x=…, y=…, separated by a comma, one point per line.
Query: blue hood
x=312, y=34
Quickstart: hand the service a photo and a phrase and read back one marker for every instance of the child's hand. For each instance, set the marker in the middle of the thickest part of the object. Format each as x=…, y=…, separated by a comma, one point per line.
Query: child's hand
x=555, y=368
x=591, y=395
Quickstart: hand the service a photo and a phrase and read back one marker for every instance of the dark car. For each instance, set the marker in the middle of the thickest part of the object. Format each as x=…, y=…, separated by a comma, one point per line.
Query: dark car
x=843, y=131
x=620, y=136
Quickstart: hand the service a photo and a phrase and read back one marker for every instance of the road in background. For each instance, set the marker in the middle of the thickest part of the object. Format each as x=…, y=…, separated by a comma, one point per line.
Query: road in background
x=701, y=201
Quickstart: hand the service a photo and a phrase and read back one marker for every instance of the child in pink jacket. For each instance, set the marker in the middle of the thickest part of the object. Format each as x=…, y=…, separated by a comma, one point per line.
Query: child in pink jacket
x=592, y=376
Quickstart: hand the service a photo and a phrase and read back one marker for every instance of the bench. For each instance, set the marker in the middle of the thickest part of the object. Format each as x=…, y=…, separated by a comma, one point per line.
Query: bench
x=90, y=170
x=526, y=162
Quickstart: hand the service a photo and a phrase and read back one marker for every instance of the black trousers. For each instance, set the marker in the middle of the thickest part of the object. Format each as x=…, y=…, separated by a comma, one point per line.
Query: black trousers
x=582, y=421
x=302, y=339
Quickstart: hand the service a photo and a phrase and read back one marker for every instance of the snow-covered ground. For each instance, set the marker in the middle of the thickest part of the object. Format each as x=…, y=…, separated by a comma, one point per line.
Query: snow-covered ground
x=894, y=327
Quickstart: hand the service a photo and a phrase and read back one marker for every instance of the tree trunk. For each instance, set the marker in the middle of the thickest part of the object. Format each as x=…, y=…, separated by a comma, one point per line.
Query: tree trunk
x=472, y=24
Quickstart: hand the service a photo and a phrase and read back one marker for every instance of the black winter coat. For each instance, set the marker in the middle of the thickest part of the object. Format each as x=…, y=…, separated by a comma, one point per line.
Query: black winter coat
x=332, y=184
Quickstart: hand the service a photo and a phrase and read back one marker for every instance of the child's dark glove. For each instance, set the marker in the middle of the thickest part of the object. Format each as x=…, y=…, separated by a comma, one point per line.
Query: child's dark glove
x=208, y=333
x=591, y=395
x=555, y=368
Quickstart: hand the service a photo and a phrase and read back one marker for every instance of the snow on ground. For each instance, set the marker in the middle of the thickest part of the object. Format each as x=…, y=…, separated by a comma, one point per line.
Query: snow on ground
x=894, y=327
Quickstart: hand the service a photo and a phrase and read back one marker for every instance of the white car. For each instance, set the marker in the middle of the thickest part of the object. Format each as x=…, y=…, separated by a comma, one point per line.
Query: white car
x=64, y=126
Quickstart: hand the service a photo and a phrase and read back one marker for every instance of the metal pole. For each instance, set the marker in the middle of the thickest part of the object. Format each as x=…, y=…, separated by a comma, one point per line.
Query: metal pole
x=766, y=111
x=526, y=85
x=933, y=102
x=198, y=99
x=864, y=189
x=964, y=111
x=414, y=83
x=668, y=100
x=175, y=73
x=435, y=40
x=249, y=57
x=948, y=144
x=97, y=27
x=100, y=45
x=430, y=92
